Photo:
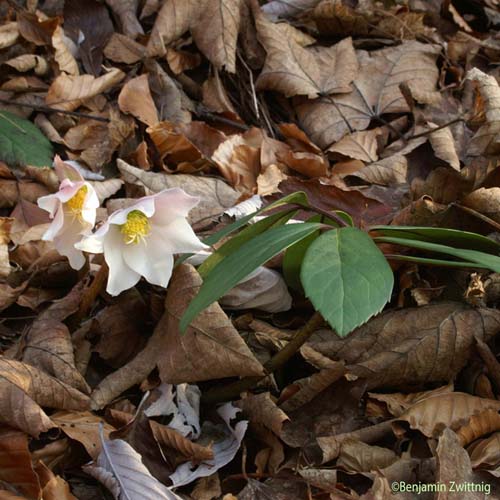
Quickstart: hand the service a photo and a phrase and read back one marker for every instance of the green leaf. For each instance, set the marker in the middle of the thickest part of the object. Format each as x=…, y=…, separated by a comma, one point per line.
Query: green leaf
x=22, y=143
x=346, y=277
x=484, y=259
x=230, y=271
x=435, y=262
x=442, y=236
x=230, y=246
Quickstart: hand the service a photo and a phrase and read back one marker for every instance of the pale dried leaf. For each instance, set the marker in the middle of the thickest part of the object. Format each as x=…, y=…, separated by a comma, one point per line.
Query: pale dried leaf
x=359, y=145
x=295, y=70
x=28, y=62
x=479, y=425
x=376, y=91
x=54, y=487
x=269, y=180
x=485, y=201
x=107, y=188
x=63, y=56
x=126, y=12
x=384, y=172
x=120, y=468
x=486, y=452
x=5, y=230
x=83, y=426
x=432, y=415
x=9, y=34
x=68, y=92
x=288, y=8
x=210, y=337
x=135, y=98
x=23, y=388
x=443, y=144
x=215, y=195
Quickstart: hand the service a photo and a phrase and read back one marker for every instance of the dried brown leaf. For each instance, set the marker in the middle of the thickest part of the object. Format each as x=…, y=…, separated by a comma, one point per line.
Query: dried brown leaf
x=15, y=463
x=432, y=415
x=479, y=425
x=288, y=8
x=9, y=33
x=359, y=145
x=411, y=346
x=376, y=92
x=385, y=172
x=126, y=11
x=28, y=62
x=135, y=98
x=54, y=487
x=122, y=49
x=485, y=453
x=356, y=456
x=63, y=56
x=485, y=201
x=36, y=29
x=211, y=338
x=443, y=144
x=216, y=32
x=295, y=70
x=23, y=388
x=68, y=92
x=261, y=409
x=83, y=426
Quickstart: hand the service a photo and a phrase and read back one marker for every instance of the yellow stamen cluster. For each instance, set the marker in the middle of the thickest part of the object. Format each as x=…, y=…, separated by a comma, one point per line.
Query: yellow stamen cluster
x=75, y=204
x=136, y=228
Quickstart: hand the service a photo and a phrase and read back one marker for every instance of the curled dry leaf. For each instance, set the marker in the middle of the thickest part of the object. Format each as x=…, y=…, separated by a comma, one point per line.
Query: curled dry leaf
x=443, y=143
x=486, y=201
x=28, y=62
x=9, y=34
x=295, y=70
x=411, y=346
x=376, y=92
x=135, y=98
x=216, y=32
x=5, y=230
x=261, y=409
x=211, y=338
x=487, y=138
x=15, y=463
x=215, y=195
x=68, y=92
x=24, y=389
x=452, y=410
x=53, y=487
x=120, y=469
x=122, y=49
x=63, y=55
x=479, y=425
x=485, y=453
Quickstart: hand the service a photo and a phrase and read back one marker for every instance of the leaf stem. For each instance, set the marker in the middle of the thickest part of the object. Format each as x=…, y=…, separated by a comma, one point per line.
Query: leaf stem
x=233, y=390
x=331, y=215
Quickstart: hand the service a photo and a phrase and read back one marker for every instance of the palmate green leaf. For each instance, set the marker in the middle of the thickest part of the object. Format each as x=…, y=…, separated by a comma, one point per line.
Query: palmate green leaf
x=22, y=143
x=442, y=236
x=484, y=260
x=230, y=271
x=346, y=277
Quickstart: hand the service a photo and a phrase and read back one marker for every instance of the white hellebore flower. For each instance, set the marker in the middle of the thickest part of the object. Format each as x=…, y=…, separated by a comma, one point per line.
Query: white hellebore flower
x=141, y=240
x=73, y=210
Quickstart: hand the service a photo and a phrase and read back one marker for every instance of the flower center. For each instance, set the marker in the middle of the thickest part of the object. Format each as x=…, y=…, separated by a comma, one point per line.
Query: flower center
x=75, y=204
x=136, y=228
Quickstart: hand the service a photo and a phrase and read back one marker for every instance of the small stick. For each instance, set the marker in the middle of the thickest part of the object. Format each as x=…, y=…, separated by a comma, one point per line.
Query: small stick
x=46, y=109
x=431, y=131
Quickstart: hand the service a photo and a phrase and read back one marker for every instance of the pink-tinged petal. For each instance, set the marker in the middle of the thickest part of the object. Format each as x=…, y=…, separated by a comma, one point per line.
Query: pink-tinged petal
x=49, y=203
x=177, y=236
x=150, y=260
x=65, y=243
x=145, y=205
x=68, y=189
x=172, y=203
x=55, y=227
x=121, y=277
x=66, y=171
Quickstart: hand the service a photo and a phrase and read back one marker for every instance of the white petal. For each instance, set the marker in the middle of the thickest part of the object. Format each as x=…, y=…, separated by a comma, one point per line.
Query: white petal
x=66, y=170
x=91, y=244
x=121, y=277
x=55, y=227
x=145, y=205
x=172, y=203
x=178, y=236
x=49, y=203
x=65, y=243
x=151, y=260
x=68, y=189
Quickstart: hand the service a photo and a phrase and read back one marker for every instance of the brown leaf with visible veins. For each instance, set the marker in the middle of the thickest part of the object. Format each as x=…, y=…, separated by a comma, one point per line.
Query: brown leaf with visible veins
x=359, y=145
x=485, y=453
x=356, y=456
x=443, y=144
x=263, y=410
x=68, y=92
x=210, y=348
x=296, y=70
x=216, y=32
x=48, y=342
x=454, y=410
x=376, y=92
x=24, y=388
x=385, y=172
x=122, y=49
x=135, y=98
x=411, y=346
x=15, y=463
x=479, y=425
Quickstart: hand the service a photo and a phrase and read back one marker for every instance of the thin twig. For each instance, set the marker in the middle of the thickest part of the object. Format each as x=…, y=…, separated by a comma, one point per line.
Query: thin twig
x=207, y=115
x=431, y=131
x=46, y=109
x=233, y=390
x=331, y=215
